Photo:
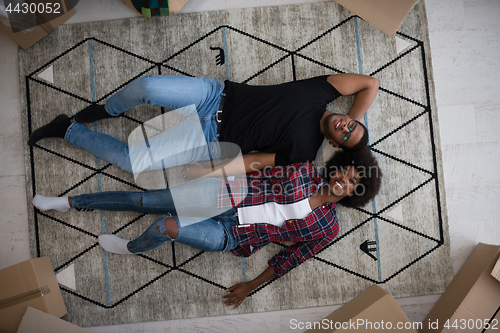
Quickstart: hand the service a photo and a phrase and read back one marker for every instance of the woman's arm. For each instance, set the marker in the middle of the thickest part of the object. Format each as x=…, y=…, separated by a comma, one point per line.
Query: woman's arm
x=241, y=290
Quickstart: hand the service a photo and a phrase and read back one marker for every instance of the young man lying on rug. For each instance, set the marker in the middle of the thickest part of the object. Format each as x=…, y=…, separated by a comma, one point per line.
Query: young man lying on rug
x=286, y=122
x=292, y=203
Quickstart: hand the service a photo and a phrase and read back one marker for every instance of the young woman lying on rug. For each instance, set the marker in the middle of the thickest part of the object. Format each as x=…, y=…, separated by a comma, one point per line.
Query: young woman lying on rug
x=292, y=203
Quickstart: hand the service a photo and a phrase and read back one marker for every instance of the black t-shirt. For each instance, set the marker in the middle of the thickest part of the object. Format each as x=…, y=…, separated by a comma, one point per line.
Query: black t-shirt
x=282, y=119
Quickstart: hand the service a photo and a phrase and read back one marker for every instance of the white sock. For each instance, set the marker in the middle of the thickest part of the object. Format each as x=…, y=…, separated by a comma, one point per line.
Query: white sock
x=46, y=203
x=114, y=244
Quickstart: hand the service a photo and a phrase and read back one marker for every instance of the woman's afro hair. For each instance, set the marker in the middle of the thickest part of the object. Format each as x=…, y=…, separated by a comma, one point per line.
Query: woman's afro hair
x=368, y=169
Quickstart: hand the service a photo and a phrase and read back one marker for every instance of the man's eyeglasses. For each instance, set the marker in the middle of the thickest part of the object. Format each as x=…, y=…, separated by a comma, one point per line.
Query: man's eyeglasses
x=351, y=126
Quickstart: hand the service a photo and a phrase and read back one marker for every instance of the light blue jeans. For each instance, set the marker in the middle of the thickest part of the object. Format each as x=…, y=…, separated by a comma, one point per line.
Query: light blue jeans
x=202, y=225
x=202, y=95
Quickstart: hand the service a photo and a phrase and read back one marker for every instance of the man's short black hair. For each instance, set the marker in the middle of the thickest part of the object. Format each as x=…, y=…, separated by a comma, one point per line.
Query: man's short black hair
x=363, y=142
x=369, y=172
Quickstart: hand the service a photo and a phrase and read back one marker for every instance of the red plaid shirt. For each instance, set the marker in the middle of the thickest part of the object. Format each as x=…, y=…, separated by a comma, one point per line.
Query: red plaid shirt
x=283, y=185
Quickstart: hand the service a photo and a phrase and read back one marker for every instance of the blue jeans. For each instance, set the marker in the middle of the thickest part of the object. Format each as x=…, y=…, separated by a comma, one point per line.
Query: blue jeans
x=196, y=100
x=196, y=198
x=211, y=235
x=202, y=225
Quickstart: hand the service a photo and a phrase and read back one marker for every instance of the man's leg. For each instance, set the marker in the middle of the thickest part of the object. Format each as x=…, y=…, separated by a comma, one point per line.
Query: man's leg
x=169, y=91
x=176, y=141
x=55, y=129
x=174, y=146
x=101, y=145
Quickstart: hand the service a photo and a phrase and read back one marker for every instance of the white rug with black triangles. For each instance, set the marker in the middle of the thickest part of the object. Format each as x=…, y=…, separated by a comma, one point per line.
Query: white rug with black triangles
x=400, y=240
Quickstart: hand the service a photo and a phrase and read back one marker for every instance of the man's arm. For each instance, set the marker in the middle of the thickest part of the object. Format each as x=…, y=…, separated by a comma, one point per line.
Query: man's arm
x=258, y=161
x=251, y=162
x=363, y=86
x=239, y=291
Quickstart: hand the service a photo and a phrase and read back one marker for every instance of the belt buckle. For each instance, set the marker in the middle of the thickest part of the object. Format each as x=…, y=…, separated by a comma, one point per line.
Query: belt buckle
x=217, y=116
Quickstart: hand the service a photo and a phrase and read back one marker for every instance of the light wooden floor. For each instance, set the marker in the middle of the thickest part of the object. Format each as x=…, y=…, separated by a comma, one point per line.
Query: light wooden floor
x=465, y=46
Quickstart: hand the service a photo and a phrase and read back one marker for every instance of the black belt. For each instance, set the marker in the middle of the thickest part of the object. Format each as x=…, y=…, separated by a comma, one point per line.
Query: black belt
x=225, y=241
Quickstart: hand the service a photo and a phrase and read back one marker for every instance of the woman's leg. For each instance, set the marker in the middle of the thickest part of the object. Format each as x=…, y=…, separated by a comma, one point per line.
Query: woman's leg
x=150, y=202
x=154, y=202
x=195, y=198
x=211, y=235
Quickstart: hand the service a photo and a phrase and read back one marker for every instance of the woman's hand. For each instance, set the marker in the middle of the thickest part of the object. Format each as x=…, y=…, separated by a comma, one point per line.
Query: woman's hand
x=238, y=293
x=193, y=171
x=241, y=290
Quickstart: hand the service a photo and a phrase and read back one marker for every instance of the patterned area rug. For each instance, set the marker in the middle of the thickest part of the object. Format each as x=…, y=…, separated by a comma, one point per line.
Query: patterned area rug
x=399, y=241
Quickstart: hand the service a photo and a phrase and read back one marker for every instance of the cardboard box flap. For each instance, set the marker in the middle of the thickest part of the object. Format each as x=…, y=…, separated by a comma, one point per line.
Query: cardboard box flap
x=386, y=15
x=176, y=5
x=38, y=321
x=483, y=296
x=19, y=21
x=385, y=308
x=21, y=278
x=35, y=285
x=46, y=276
x=496, y=270
x=465, y=279
x=473, y=293
x=360, y=303
x=30, y=36
x=24, y=297
x=366, y=310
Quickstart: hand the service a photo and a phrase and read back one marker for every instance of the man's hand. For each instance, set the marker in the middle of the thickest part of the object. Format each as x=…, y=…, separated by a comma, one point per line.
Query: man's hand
x=363, y=86
x=238, y=293
x=246, y=163
x=193, y=171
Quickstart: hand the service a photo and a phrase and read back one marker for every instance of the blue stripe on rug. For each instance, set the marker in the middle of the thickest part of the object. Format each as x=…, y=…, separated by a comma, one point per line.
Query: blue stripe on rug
x=99, y=176
x=374, y=208
x=224, y=38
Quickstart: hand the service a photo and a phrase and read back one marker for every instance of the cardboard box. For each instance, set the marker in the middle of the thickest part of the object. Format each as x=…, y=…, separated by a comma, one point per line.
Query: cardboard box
x=40, y=322
x=174, y=5
x=45, y=23
x=374, y=310
x=386, y=15
x=472, y=297
x=30, y=283
x=496, y=270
